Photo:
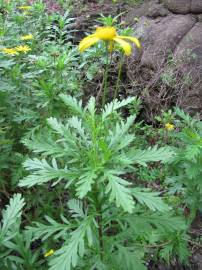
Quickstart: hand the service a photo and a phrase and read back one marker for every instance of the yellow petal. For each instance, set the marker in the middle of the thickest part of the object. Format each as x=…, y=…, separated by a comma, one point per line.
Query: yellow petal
x=133, y=39
x=125, y=45
x=83, y=41
x=87, y=42
x=86, y=38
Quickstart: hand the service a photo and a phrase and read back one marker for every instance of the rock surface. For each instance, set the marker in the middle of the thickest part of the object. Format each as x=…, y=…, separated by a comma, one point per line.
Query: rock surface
x=184, y=6
x=151, y=9
x=189, y=53
x=196, y=6
x=179, y=6
x=170, y=63
x=163, y=38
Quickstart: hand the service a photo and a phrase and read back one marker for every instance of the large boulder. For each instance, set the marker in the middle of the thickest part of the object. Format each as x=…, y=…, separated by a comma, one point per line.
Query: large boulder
x=163, y=37
x=188, y=55
x=151, y=9
x=179, y=6
x=168, y=71
x=184, y=6
x=196, y=6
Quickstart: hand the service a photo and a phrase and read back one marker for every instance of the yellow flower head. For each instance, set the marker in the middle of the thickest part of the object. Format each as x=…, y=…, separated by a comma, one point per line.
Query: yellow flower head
x=23, y=48
x=49, y=253
x=108, y=34
x=9, y=51
x=25, y=8
x=27, y=37
x=169, y=126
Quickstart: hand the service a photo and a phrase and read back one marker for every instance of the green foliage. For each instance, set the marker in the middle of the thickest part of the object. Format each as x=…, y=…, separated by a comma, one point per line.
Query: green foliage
x=15, y=246
x=96, y=196
x=186, y=165
x=10, y=216
x=92, y=152
x=176, y=245
x=87, y=144
x=68, y=255
x=150, y=199
x=31, y=82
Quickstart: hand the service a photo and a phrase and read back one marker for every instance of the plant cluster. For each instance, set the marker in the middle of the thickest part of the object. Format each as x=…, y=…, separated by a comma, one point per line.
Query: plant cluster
x=84, y=184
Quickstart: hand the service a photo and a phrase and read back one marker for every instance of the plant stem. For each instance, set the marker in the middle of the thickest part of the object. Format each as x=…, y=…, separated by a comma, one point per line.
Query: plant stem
x=105, y=78
x=119, y=77
x=98, y=206
x=100, y=233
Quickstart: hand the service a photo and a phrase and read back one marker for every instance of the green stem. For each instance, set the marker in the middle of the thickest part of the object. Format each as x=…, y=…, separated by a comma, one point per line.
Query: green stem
x=100, y=231
x=105, y=78
x=98, y=206
x=119, y=77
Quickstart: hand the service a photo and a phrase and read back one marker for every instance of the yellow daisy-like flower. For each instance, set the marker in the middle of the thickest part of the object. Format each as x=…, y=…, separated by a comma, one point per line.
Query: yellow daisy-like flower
x=169, y=126
x=27, y=37
x=23, y=48
x=108, y=34
x=25, y=8
x=49, y=253
x=9, y=51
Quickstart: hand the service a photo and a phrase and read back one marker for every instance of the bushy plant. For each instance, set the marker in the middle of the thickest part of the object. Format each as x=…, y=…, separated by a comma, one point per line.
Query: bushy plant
x=15, y=245
x=186, y=166
x=109, y=216
x=94, y=180
x=31, y=78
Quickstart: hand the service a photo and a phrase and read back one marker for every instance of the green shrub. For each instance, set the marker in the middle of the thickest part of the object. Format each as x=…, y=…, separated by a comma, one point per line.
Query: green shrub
x=110, y=218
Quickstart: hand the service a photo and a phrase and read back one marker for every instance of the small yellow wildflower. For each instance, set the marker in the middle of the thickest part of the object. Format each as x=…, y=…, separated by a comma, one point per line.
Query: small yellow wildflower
x=169, y=126
x=24, y=8
x=27, y=37
x=49, y=253
x=108, y=34
x=26, y=13
x=23, y=48
x=9, y=51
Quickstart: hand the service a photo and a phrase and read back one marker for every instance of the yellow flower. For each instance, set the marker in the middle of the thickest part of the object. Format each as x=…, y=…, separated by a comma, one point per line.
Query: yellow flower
x=27, y=37
x=9, y=51
x=23, y=48
x=25, y=8
x=49, y=253
x=169, y=126
x=108, y=34
x=26, y=13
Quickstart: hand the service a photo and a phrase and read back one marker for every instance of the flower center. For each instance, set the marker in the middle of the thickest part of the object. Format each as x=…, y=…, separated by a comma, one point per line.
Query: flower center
x=105, y=33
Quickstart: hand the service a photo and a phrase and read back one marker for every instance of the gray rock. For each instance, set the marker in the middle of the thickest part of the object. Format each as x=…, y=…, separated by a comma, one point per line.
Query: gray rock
x=170, y=63
x=188, y=55
x=196, y=6
x=163, y=37
x=157, y=10
x=199, y=18
x=151, y=9
x=179, y=6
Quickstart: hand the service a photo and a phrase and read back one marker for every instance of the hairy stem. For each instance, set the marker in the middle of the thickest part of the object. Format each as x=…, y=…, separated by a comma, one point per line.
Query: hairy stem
x=100, y=233
x=119, y=78
x=105, y=78
x=98, y=206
